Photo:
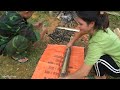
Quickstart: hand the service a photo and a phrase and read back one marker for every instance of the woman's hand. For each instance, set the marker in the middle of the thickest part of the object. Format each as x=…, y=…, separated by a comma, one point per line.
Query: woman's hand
x=69, y=44
x=67, y=77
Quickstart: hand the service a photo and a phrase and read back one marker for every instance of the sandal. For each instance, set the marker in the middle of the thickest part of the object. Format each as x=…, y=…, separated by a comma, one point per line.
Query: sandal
x=20, y=59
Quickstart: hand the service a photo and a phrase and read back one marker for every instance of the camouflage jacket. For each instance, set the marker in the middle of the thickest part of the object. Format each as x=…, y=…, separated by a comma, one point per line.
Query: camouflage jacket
x=12, y=24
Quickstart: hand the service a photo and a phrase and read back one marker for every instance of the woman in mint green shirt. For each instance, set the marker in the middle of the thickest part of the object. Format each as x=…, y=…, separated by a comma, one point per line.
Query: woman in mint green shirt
x=103, y=49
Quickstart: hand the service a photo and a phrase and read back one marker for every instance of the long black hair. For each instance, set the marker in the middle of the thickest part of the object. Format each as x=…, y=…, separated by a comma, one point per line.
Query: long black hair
x=101, y=19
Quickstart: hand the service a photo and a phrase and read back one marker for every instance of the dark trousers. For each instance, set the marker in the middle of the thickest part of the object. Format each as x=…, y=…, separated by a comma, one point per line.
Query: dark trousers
x=106, y=65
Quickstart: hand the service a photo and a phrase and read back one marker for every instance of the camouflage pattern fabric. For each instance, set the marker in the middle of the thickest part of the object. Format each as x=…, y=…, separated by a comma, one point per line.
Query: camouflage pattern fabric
x=12, y=25
x=17, y=45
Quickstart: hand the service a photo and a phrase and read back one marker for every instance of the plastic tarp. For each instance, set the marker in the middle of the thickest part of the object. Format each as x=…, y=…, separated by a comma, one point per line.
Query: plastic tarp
x=50, y=63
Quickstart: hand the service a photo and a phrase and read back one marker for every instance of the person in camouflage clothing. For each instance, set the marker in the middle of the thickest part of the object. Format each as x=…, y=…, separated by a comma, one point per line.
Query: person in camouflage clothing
x=16, y=34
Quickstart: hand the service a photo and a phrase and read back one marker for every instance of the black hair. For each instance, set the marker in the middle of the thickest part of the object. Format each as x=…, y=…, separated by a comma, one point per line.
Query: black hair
x=101, y=20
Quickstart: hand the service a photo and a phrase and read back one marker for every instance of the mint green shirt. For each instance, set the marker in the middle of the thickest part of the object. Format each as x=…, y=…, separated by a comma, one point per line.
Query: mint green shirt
x=103, y=43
